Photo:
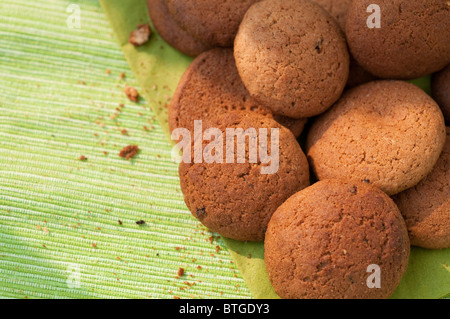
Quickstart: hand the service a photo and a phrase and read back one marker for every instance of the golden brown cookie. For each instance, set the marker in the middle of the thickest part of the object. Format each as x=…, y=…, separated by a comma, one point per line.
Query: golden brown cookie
x=214, y=22
x=292, y=57
x=440, y=89
x=237, y=200
x=426, y=207
x=413, y=39
x=211, y=86
x=321, y=242
x=386, y=133
x=173, y=34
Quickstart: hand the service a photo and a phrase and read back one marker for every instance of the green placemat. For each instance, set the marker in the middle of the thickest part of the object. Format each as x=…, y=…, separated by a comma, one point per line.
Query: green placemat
x=428, y=273
x=60, y=237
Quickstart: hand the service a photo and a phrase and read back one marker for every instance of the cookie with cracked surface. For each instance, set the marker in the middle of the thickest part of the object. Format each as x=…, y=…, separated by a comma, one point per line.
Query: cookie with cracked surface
x=413, y=40
x=235, y=199
x=214, y=22
x=321, y=241
x=440, y=90
x=387, y=133
x=171, y=32
x=426, y=207
x=211, y=86
x=292, y=57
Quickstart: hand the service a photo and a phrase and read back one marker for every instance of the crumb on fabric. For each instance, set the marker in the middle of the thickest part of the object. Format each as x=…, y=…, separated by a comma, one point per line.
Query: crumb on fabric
x=83, y=158
x=141, y=35
x=140, y=222
x=131, y=93
x=180, y=272
x=129, y=151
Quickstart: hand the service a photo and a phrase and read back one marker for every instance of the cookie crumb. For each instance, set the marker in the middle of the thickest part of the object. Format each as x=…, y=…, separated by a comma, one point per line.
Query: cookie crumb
x=180, y=272
x=129, y=151
x=141, y=35
x=83, y=158
x=120, y=222
x=140, y=222
x=131, y=93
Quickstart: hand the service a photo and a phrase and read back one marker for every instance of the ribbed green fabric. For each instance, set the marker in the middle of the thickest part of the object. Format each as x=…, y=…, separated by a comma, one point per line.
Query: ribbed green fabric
x=60, y=237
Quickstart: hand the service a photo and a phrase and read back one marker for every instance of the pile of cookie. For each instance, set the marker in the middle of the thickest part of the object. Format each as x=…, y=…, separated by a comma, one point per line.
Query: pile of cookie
x=376, y=175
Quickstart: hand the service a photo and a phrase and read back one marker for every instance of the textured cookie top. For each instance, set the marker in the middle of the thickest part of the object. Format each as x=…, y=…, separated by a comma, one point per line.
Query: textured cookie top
x=211, y=86
x=214, y=22
x=440, y=87
x=413, y=40
x=169, y=30
x=292, y=57
x=320, y=242
x=426, y=207
x=236, y=200
x=387, y=133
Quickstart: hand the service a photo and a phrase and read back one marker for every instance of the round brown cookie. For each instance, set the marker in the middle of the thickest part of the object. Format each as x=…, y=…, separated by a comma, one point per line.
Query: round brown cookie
x=413, y=40
x=337, y=9
x=211, y=86
x=320, y=243
x=426, y=207
x=292, y=57
x=387, y=133
x=440, y=89
x=214, y=22
x=237, y=200
x=173, y=34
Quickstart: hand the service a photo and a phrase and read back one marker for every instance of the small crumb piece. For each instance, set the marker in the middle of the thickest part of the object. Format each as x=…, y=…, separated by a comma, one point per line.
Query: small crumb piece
x=124, y=132
x=122, y=75
x=108, y=71
x=131, y=93
x=180, y=272
x=83, y=158
x=120, y=222
x=94, y=245
x=140, y=222
x=129, y=151
x=140, y=35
